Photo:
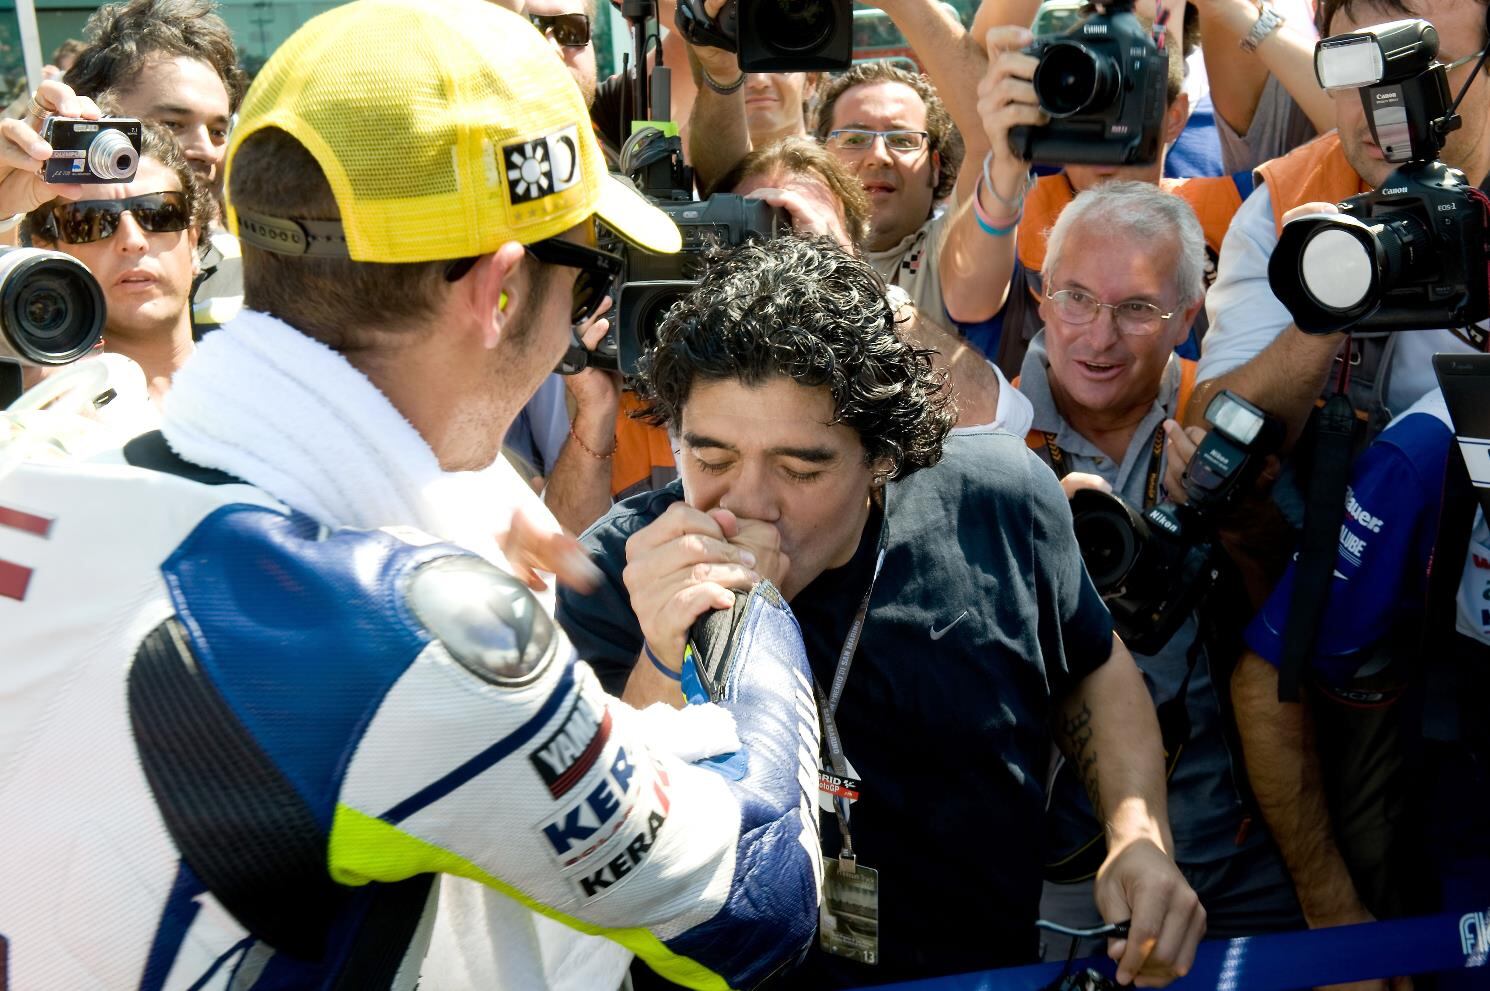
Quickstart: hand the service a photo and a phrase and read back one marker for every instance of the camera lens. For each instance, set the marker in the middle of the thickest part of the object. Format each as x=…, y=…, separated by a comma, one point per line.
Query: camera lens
x=51, y=308
x=793, y=27
x=1337, y=268
x=1109, y=534
x=111, y=156
x=1072, y=79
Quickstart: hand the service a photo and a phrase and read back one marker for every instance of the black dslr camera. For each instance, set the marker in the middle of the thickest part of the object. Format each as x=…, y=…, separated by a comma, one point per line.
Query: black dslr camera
x=1412, y=254
x=91, y=151
x=1154, y=568
x=776, y=35
x=1102, y=82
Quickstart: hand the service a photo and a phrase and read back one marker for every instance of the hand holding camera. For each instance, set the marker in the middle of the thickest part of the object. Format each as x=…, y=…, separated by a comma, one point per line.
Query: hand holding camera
x=24, y=152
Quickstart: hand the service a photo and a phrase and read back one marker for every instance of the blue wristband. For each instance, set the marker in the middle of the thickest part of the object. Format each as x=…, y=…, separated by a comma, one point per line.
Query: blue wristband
x=656, y=663
x=997, y=231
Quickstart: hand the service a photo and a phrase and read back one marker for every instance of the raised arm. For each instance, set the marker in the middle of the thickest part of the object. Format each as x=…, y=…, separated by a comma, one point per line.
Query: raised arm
x=1237, y=76
x=977, y=263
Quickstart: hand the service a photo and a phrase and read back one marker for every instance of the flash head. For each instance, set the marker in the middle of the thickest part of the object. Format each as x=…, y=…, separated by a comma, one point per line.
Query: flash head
x=1382, y=54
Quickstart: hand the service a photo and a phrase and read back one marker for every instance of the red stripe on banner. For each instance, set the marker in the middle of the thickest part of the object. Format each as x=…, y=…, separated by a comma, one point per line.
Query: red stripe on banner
x=29, y=522
x=13, y=580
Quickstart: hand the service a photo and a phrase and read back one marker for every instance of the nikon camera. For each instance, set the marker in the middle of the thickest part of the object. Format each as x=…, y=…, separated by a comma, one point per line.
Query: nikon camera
x=1102, y=82
x=1154, y=568
x=91, y=151
x=1410, y=255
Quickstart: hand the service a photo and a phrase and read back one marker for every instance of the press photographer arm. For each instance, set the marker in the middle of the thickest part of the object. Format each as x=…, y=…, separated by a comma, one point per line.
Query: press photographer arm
x=1284, y=769
x=1289, y=374
x=1238, y=76
x=1107, y=729
x=579, y=484
x=717, y=133
x=977, y=263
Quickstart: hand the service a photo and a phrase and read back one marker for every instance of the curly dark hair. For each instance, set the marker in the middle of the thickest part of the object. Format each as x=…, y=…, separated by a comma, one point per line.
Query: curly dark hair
x=804, y=308
x=124, y=37
x=943, y=138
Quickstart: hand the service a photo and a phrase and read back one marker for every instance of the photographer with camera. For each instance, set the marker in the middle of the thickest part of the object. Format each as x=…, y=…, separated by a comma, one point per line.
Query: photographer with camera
x=1253, y=346
x=302, y=705
x=1125, y=270
x=142, y=241
x=937, y=581
x=1005, y=229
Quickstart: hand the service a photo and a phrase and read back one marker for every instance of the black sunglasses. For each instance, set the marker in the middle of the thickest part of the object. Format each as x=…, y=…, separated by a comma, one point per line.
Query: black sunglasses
x=86, y=221
x=569, y=30
x=597, y=271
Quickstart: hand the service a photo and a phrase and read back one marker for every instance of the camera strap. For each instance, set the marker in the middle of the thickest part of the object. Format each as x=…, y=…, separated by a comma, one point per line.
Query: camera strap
x=828, y=706
x=1062, y=466
x=1324, y=511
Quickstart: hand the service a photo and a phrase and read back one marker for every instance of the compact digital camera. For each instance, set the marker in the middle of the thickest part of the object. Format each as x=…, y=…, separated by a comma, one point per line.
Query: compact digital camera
x=1153, y=568
x=1412, y=254
x=91, y=151
x=1102, y=82
x=775, y=35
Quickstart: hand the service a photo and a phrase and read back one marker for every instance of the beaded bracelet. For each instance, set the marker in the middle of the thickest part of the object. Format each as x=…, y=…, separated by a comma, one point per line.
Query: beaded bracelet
x=586, y=447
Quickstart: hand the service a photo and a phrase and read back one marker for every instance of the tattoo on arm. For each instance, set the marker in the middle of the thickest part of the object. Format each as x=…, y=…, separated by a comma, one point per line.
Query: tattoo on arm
x=1074, y=736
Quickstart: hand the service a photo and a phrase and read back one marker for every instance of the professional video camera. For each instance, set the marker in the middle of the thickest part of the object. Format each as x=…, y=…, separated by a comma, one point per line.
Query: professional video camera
x=775, y=35
x=1102, y=82
x=652, y=159
x=1411, y=255
x=1153, y=568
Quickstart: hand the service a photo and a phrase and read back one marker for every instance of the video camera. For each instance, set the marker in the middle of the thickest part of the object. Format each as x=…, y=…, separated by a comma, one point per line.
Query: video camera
x=652, y=159
x=1103, y=84
x=775, y=35
x=1412, y=255
x=1153, y=568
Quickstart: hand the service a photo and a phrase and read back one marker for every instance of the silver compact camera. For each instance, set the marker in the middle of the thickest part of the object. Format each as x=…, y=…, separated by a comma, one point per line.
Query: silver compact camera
x=91, y=151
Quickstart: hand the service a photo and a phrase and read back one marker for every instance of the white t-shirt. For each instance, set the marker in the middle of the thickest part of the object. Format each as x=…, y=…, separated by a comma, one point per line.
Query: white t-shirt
x=1245, y=316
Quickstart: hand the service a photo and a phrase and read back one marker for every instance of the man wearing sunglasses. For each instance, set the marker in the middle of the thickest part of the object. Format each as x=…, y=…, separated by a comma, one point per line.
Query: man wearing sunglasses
x=566, y=24
x=1125, y=278
x=301, y=703
x=141, y=240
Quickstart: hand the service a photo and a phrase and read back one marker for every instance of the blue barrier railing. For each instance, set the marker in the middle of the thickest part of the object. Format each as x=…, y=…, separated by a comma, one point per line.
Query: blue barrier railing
x=1284, y=961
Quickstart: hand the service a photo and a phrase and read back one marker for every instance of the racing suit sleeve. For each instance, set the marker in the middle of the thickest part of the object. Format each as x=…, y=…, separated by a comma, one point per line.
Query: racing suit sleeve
x=560, y=802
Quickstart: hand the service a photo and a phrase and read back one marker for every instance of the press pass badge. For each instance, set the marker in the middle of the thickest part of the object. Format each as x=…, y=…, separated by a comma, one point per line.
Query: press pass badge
x=849, y=918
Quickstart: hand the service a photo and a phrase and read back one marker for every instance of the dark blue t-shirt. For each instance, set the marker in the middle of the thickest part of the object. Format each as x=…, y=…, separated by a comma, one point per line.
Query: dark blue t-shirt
x=1391, y=519
x=981, y=620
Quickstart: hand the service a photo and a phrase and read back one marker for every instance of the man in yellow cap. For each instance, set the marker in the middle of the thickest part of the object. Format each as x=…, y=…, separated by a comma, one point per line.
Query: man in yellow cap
x=251, y=705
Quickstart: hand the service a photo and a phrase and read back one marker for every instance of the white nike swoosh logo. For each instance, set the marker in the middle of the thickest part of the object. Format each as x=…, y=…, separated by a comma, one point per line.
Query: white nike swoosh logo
x=938, y=634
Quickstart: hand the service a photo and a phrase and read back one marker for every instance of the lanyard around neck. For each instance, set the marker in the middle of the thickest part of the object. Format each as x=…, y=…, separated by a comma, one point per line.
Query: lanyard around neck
x=1156, y=464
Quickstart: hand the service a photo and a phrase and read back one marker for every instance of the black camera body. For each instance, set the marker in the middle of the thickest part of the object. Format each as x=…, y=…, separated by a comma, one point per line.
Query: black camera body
x=1153, y=568
x=1103, y=84
x=91, y=151
x=1412, y=254
x=655, y=282
x=776, y=35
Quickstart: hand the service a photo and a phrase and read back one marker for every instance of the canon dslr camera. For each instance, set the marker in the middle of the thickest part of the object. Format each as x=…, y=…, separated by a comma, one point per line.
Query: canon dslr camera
x=1412, y=254
x=1153, y=568
x=1102, y=82
x=91, y=151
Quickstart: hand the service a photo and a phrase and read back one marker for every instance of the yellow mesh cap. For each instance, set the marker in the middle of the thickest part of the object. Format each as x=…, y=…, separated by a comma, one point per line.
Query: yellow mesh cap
x=445, y=128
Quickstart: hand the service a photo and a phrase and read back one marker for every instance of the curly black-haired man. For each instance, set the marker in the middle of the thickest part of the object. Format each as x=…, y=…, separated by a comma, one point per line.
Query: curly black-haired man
x=814, y=448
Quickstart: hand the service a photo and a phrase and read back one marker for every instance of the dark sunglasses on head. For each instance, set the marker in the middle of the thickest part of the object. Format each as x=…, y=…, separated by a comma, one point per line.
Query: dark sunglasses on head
x=597, y=271
x=86, y=221
x=569, y=30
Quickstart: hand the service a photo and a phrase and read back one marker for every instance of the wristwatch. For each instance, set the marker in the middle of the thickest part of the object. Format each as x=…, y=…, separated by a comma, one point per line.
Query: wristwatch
x=1267, y=22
